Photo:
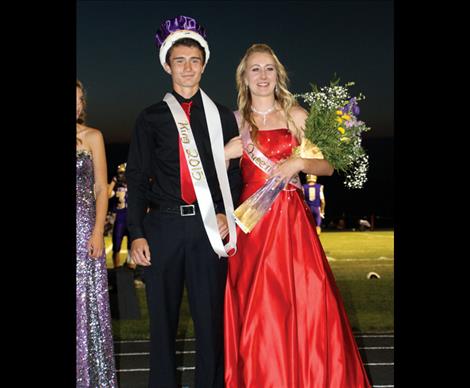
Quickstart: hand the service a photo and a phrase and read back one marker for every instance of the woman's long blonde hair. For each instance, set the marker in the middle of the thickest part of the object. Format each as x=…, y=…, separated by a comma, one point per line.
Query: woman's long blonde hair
x=281, y=94
x=81, y=117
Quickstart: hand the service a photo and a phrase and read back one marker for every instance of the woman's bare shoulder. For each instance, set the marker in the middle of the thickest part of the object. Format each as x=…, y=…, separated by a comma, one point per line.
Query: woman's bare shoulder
x=299, y=115
x=90, y=134
x=89, y=137
x=297, y=112
x=84, y=130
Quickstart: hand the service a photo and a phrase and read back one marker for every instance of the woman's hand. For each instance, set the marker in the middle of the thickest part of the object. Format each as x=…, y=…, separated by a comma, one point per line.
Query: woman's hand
x=287, y=168
x=234, y=148
x=96, y=245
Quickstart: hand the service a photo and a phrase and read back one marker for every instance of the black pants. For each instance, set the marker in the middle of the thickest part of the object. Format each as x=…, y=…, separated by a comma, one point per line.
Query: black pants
x=181, y=253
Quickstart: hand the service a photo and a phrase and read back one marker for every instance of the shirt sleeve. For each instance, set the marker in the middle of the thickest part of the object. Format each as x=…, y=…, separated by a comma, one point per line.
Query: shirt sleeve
x=234, y=172
x=137, y=176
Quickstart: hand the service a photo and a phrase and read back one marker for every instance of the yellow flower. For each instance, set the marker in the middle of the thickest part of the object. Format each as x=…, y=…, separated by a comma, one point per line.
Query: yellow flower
x=341, y=129
x=339, y=112
x=344, y=138
x=339, y=120
x=346, y=117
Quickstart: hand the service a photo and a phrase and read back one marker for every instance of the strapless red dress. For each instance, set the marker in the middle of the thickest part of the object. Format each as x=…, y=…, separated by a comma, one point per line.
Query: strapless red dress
x=285, y=324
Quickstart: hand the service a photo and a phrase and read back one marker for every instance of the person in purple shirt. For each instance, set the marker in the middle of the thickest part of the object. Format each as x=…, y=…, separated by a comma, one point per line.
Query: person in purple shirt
x=118, y=190
x=315, y=198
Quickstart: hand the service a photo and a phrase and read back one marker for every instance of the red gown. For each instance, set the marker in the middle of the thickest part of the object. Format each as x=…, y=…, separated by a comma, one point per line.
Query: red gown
x=285, y=324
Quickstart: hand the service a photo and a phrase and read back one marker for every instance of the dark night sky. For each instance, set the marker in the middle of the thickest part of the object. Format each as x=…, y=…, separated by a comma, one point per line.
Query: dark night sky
x=118, y=63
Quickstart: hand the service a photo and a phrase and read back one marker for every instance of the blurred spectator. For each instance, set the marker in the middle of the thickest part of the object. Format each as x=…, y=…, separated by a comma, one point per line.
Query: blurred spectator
x=364, y=224
x=341, y=224
x=117, y=189
x=315, y=198
x=109, y=223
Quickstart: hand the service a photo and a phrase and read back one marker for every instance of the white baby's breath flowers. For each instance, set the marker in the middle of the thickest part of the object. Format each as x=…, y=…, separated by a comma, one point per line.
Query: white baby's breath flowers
x=329, y=97
x=332, y=125
x=358, y=175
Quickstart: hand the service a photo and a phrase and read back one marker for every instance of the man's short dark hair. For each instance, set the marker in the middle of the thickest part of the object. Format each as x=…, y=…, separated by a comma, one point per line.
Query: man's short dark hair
x=189, y=43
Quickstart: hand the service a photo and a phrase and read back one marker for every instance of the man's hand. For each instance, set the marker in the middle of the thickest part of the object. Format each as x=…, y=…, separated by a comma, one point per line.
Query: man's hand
x=140, y=252
x=234, y=148
x=222, y=224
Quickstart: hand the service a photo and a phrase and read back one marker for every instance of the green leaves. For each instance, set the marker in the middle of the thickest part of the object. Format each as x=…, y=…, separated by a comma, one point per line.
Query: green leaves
x=334, y=129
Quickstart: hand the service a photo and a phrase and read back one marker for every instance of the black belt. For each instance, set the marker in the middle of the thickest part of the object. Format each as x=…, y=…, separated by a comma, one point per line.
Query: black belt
x=181, y=209
x=172, y=208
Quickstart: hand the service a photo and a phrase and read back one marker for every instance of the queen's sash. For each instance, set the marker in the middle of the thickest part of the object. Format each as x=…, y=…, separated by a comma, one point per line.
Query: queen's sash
x=256, y=156
x=198, y=177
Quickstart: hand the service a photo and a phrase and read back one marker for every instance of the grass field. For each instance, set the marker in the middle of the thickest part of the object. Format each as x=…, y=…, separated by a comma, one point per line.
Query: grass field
x=352, y=255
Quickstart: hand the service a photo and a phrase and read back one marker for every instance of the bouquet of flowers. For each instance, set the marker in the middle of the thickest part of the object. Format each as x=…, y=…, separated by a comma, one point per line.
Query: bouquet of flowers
x=333, y=127
x=333, y=132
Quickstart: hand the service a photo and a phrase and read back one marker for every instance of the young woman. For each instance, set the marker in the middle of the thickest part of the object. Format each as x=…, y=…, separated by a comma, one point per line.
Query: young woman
x=95, y=358
x=285, y=324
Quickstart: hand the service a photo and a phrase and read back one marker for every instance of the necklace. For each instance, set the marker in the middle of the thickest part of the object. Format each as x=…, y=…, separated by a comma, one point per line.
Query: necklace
x=265, y=113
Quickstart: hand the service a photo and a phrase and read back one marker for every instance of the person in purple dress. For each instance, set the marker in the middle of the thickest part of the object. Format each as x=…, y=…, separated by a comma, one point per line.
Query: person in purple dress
x=95, y=358
x=315, y=198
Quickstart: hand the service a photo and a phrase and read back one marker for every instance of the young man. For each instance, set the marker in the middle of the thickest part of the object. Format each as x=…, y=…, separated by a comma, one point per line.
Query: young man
x=178, y=195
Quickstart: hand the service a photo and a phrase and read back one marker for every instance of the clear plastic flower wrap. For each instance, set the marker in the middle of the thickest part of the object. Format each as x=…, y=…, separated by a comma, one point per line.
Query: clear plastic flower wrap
x=254, y=208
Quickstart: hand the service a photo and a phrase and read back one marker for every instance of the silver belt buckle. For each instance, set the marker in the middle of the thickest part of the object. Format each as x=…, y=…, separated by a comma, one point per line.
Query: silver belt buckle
x=191, y=208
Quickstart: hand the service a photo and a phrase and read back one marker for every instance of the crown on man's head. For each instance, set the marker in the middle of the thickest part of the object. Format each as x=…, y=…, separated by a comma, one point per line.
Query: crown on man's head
x=178, y=28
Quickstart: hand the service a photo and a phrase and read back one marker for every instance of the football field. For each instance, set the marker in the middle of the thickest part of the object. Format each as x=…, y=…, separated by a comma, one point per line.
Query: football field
x=351, y=255
x=368, y=302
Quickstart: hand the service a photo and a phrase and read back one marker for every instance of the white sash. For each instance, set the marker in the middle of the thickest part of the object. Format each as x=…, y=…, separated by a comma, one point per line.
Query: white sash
x=258, y=158
x=198, y=177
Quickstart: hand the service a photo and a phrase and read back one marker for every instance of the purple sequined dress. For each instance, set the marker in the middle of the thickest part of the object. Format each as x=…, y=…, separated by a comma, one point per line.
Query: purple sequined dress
x=95, y=358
